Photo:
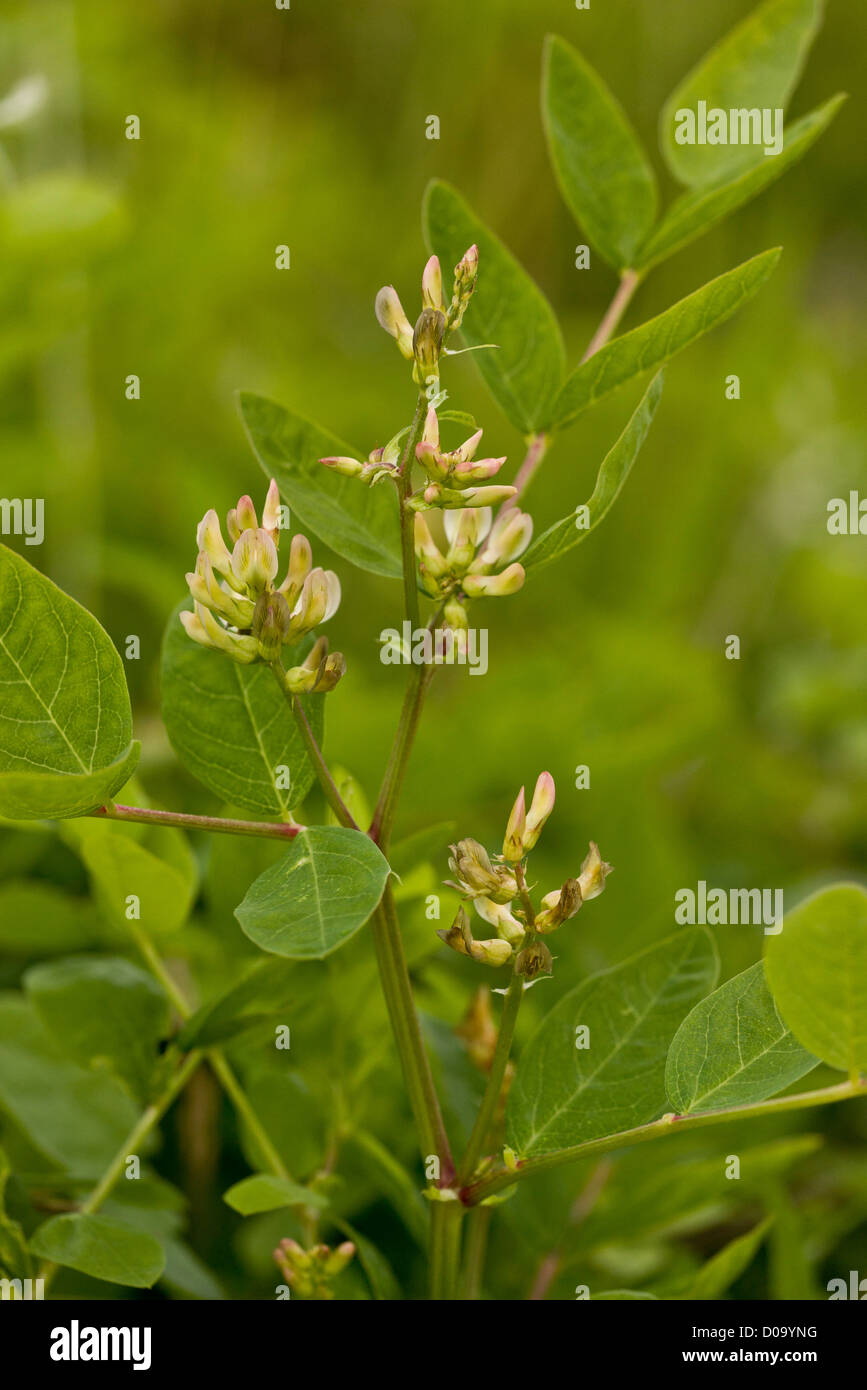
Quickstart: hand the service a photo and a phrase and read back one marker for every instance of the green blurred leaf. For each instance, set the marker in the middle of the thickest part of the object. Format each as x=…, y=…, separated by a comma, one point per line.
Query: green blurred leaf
x=431, y=842
x=728, y=1264
x=562, y=1094
x=524, y=371
x=613, y=472
x=621, y=1295
x=58, y=219
x=602, y=170
x=103, y=1010
x=14, y=1256
x=101, y=1248
x=758, y=64
x=290, y=1117
x=733, y=1049
x=157, y=868
x=658, y=340
x=817, y=971
x=358, y=522
x=76, y=1118
x=231, y=727
x=187, y=1275
x=66, y=724
x=262, y=1192
x=269, y=987
x=696, y=212
x=380, y=1275
x=38, y=919
x=317, y=896
x=392, y=1180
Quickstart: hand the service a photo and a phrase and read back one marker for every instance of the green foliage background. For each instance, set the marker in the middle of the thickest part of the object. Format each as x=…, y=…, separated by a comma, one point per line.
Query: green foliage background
x=307, y=128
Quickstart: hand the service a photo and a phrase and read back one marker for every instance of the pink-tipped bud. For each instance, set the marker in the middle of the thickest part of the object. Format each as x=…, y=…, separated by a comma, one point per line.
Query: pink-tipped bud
x=346, y=467
x=254, y=560
x=488, y=496
x=246, y=514
x=513, y=844
x=271, y=511
x=540, y=808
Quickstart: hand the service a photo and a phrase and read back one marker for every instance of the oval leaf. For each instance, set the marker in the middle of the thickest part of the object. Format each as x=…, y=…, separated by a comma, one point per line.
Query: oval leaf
x=158, y=868
x=601, y=168
x=358, y=522
x=564, y=1094
x=658, y=340
x=103, y=1010
x=262, y=1192
x=231, y=727
x=317, y=895
x=757, y=65
x=695, y=213
x=66, y=724
x=733, y=1049
x=615, y=469
x=524, y=371
x=101, y=1248
x=817, y=971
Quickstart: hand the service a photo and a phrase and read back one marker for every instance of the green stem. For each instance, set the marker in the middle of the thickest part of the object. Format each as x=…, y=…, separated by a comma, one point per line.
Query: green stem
x=392, y=785
x=326, y=781
x=140, y=1130
x=629, y=282
x=275, y=830
x=658, y=1129
x=407, y=516
x=537, y=447
x=478, y=1227
x=397, y=988
x=494, y=1087
x=445, y=1249
x=223, y=1071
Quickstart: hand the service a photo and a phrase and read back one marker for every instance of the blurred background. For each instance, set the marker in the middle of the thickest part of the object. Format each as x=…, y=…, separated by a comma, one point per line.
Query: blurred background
x=156, y=257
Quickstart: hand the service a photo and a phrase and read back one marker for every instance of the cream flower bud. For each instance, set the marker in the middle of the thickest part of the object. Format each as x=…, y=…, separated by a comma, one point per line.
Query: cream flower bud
x=246, y=514
x=558, y=907
x=509, y=538
x=466, y=272
x=338, y=1259
x=487, y=496
x=205, y=589
x=498, y=915
x=495, y=952
x=271, y=622
x=203, y=627
x=540, y=808
x=481, y=518
x=513, y=844
x=271, y=512
x=209, y=538
x=455, y=616
x=594, y=872
x=390, y=316
x=432, y=285
x=428, y=552
x=495, y=585
x=478, y=877
x=254, y=560
x=346, y=467
x=463, y=541
x=427, y=342
x=319, y=672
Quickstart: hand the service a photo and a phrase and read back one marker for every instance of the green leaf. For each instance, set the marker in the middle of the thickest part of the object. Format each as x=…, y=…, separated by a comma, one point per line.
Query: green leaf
x=66, y=724
x=15, y=1260
x=231, y=727
x=817, y=971
x=657, y=341
x=758, y=64
x=380, y=1275
x=524, y=371
x=290, y=1116
x=602, y=170
x=392, y=1180
x=103, y=1010
x=614, y=470
x=38, y=919
x=186, y=1275
x=262, y=1192
x=76, y=1118
x=564, y=1094
x=696, y=212
x=317, y=896
x=358, y=522
x=728, y=1264
x=266, y=991
x=158, y=868
x=733, y=1049
x=101, y=1248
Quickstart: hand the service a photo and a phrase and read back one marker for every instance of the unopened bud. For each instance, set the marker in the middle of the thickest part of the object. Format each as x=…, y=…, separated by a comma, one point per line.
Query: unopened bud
x=432, y=285
x=509, y=581
x=559, y=906
x=513, y=844
x=254, y=560
x=466, y=271
x=427, y=342
x=271, y=621
x=540, y=808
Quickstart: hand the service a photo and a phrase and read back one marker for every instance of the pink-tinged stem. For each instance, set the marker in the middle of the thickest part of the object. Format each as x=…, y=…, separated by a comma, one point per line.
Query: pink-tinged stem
x=274, y=830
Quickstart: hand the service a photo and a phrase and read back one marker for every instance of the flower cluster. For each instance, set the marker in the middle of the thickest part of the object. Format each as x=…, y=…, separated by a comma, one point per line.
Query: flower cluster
x=238, y=610
x=423, y=344
x=496, y=888
x=480, y=558
x=310, y=1273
